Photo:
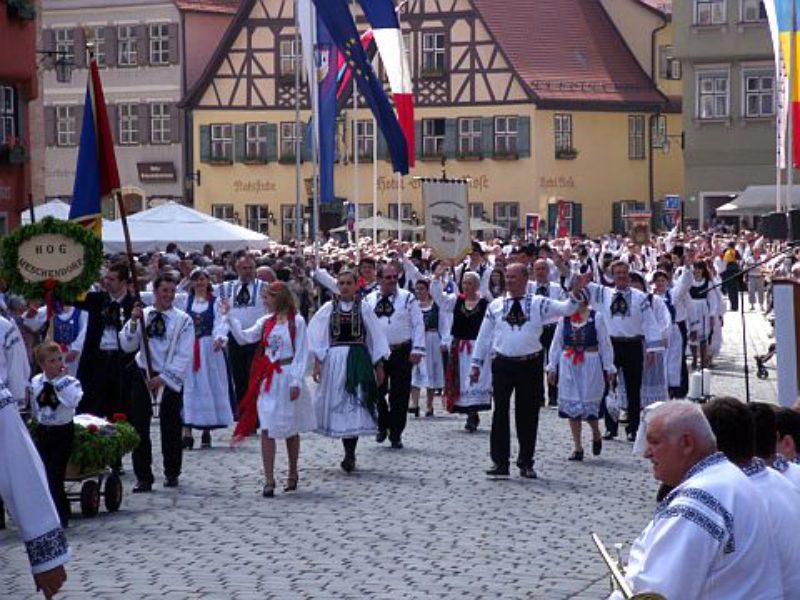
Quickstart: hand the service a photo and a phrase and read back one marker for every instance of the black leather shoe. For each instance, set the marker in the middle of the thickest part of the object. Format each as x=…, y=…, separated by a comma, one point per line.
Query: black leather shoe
x=498, y=471
x=609, y=436
x=141, y=487
x=576, y=455
x=631, y=437
x=397, y=445
x=171, y=482
x=527, y=473
x=348, y=464
x=205, y=440
x=188, y=442
x=381, y=437
x=597, y=447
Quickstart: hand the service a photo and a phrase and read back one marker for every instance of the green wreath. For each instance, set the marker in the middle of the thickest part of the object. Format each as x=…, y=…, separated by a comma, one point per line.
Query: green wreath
x=66, y=292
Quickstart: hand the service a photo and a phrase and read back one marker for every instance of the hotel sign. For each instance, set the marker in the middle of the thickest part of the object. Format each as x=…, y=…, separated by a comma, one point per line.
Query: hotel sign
x=154, y=172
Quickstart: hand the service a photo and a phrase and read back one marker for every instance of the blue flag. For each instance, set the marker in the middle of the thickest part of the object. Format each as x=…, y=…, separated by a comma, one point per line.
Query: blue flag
x=326, y=69
x=335, y=14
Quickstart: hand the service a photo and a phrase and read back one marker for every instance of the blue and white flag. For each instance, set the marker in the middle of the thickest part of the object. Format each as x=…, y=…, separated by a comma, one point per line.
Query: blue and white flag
x=335, y=14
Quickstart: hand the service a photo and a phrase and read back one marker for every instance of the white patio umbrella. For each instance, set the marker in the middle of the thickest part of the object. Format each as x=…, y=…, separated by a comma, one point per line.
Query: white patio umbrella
x=153, y=229
x=56, y=208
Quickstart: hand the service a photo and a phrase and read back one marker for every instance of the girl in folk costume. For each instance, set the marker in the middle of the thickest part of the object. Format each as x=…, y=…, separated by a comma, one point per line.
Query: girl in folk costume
x=468, y=309
x=654, y=375
x=277, y=393
x=581, y=359
x=674, y=359
x=69, y=331
x=206, y=392
x=429, y=372
x=701, y=311
x=349, y=346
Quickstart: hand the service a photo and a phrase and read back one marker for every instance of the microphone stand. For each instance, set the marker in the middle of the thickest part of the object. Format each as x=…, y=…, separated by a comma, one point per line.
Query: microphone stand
x=741, y=274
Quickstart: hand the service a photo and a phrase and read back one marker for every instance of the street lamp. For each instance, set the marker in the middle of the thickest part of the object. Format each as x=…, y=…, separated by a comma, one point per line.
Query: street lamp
x=62, y=65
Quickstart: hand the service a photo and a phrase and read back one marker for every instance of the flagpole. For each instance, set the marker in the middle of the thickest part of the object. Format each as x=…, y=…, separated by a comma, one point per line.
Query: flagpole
x=315, y=144
x=399, y=207
x=298, y=207
x=790, y=151
x=375, y=182
x=355, y=166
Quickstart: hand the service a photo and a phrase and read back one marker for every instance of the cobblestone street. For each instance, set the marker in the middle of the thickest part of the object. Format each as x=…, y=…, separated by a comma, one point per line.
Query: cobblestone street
x=422, y=522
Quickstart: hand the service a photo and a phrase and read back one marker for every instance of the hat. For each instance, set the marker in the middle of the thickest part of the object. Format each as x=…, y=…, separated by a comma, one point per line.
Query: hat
x=477, y=247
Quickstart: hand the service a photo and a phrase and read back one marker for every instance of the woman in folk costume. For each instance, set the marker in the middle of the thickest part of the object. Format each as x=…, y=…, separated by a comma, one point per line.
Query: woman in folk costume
x=581, y=359
x=349, y=346
x=429, y=372
x=468, y=309
x=277, y=394
x=674, y=359
x=701, y=311
x=206, y=391
x=654, y=375
x=715, y=343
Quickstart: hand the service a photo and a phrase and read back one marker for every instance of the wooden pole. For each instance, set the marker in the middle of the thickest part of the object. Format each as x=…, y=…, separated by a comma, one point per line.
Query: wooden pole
x=132, y=267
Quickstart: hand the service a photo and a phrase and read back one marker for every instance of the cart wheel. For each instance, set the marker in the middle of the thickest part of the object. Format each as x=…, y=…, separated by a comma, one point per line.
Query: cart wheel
x=762, y=373
x=90, y=498
x=113, y=493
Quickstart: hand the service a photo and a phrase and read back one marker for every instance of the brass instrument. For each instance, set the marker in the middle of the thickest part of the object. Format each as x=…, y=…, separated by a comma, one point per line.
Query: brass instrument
x=618, y=577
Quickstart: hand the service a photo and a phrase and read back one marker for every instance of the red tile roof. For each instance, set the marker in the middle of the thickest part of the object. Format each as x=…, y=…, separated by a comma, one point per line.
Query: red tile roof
x=228, y=7
x=569, y=54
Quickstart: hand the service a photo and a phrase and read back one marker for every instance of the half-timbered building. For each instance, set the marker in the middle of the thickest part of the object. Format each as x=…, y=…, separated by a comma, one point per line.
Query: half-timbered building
x=537, y=102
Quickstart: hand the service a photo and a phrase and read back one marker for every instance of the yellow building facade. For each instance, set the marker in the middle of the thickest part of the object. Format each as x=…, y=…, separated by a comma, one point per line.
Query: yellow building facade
x=523, y=142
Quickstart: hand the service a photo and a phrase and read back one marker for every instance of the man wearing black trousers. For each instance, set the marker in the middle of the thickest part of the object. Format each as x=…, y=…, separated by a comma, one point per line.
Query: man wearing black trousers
x=399, y=313
x=102, y=368
x=632, y=326
x=170, y=337
x=510, y=333
x=543, y=286
x=244, y=296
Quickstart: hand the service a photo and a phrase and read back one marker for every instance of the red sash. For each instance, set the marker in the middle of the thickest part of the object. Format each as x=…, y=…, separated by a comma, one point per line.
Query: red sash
x=262, y=369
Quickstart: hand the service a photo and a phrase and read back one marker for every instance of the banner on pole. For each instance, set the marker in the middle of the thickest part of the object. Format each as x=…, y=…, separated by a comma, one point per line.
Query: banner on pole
x=532, y=226
x=447, y=217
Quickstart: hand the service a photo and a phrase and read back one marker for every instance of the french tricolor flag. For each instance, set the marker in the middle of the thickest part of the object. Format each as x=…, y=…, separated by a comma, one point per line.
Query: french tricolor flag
x=382, y=16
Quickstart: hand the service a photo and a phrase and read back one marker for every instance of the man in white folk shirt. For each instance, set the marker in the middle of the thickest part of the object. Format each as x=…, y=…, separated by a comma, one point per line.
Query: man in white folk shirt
x=510, y=335
x=23, y=484
x=767, y=442
x=244, y=297
x=710, y=537
x=170, y=336
x=632, y=326
x=542, y=285
x=734, y=427
x=399, y=313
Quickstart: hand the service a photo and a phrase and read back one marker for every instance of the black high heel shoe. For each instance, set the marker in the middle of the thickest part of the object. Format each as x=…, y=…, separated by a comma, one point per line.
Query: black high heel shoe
x=188, y=442
x=269, y=489
x=205, y=440
x=291, y=484
x=577, y=455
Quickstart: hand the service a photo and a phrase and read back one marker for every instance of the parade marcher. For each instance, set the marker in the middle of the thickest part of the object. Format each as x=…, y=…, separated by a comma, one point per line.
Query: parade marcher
x=468, y=309
x=54, y=395
x=102, y=370
x=731, y=287
x=635, y=335
x=711, y=532
x=756, y=280
x=170, y=337
x=429, y=372
x=244, y=297
x=477, y=263
x=734, y=427
x=581, y=363
x=349, y=347
x=207, y=389
x=542, y=285
x=277, y=396
x=367, y=279
x=399, y=314
x=509, y=335
x=676, y=296
x=654, y=373
x=69, y=331
x=701, y=314
x=766, y=430
x=23, y=483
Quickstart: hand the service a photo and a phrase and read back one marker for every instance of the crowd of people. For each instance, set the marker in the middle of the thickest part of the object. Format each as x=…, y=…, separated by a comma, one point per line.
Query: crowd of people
x=600, y=328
